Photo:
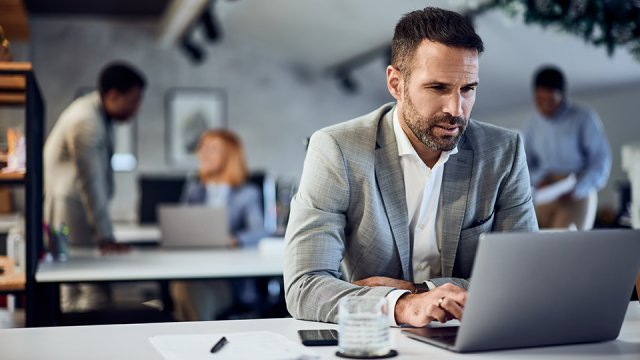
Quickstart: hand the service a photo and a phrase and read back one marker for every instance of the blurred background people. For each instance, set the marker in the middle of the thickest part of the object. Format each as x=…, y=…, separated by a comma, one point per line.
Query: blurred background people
x=565, y=140
x=221, y=182
x=78, y=178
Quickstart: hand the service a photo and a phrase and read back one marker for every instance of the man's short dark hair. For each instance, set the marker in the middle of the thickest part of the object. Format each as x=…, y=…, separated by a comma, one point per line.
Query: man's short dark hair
x=437, y=25
x=120, y=76
x=550, y=77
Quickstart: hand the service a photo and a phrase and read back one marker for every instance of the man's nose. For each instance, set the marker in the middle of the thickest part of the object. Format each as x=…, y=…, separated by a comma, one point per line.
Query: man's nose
x=453, y=105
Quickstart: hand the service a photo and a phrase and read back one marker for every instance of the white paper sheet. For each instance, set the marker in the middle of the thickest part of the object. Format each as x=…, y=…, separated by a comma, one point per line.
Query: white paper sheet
x=264, y=345
x=552, y=192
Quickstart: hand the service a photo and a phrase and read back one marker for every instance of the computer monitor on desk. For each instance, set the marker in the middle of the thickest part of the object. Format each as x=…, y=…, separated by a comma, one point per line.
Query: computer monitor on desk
x=169, y=189
x=155, y=190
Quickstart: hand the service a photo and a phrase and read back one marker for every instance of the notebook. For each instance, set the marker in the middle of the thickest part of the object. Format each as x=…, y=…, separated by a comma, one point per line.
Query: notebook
x=539, y=289
x=264, y=345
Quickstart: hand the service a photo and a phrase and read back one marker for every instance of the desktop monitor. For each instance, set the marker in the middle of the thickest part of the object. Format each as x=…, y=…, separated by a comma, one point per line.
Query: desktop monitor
x=155, y=190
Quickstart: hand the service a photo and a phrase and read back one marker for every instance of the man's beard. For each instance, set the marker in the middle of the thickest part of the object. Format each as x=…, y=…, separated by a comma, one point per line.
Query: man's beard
x=423, y=128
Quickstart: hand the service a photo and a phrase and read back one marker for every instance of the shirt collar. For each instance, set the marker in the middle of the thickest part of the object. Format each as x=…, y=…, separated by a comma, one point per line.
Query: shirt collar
x=404, y=145
x=562, y=110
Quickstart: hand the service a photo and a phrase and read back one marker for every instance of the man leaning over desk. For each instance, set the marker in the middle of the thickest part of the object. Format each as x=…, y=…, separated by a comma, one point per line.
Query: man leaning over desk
x=399, y=197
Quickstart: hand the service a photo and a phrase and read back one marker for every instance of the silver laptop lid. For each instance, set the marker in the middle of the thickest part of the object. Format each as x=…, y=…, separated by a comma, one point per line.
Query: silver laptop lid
x=534, y=289
x=193, y=226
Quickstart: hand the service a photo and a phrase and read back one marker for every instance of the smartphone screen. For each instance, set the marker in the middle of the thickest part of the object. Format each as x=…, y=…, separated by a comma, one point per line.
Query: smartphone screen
x=318, y=337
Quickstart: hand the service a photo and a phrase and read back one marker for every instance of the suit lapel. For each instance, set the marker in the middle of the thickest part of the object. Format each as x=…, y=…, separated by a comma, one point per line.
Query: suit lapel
x=391, y=185
x=455, y=192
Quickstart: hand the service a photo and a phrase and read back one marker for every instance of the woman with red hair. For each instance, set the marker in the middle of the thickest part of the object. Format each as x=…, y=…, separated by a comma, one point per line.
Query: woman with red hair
x=221, y=182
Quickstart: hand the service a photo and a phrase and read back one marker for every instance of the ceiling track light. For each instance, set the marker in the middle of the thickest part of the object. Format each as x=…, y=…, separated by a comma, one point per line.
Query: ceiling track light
x=346, y=81
x=195, y=53
x=213, y=30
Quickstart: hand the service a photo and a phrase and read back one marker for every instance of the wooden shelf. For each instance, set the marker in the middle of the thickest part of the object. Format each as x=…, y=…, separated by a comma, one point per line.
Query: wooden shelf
x=13, y=282
x=11, y=176
x=12, y=87
x=12, y=98
x=14, y=19
x=19, y=87
x=16, y=66
x=13, y=83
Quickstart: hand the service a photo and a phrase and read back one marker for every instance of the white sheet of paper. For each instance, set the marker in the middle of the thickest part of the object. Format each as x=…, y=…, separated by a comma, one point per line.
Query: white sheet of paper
x=263, y=345
x=555, y=190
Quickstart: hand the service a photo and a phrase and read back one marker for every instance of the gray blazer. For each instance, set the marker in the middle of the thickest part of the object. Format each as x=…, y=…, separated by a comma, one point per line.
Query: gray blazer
x=78, y=179
x=349, y=219
x=246, y=221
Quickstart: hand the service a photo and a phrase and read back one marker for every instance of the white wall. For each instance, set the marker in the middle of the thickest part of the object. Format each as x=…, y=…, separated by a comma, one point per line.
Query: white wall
x=272, y=105
x=619, y=109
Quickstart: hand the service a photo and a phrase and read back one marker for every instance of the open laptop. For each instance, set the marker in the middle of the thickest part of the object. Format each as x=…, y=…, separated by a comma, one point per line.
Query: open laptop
x=539, y=289
x=193, y=226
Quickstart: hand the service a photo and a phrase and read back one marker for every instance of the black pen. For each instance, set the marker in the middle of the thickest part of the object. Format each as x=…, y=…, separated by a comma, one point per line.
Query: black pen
x=219, y=345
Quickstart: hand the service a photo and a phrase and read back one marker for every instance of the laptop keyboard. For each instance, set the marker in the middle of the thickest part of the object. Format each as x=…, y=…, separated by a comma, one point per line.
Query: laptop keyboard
x=444, y=336
x=445, y=339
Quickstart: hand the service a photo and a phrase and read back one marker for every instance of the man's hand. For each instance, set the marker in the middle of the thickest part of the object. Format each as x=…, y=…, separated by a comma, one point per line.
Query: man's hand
x=385, y=281
x=110, y=247
x=421, y=309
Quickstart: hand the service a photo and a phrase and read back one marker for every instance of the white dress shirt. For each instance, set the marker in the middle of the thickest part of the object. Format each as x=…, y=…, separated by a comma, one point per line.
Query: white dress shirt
x=422, y=190
x=217, y=195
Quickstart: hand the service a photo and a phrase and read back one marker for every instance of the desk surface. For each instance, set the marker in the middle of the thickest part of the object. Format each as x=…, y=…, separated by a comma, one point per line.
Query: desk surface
x=132, y=341
x=161, y=264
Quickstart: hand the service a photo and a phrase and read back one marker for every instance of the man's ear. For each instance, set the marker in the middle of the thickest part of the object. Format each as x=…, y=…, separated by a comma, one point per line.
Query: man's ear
x=395, y=82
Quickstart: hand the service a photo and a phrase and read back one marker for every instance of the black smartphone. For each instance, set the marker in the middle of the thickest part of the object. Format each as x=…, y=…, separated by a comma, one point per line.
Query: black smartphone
x=318, y=337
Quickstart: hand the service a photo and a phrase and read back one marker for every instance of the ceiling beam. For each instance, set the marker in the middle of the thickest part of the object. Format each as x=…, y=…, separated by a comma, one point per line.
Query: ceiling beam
x=177, y=18
x=13, y=19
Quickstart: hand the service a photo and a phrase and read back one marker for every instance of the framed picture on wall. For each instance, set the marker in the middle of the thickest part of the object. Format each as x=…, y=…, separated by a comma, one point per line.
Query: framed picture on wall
x=190, y=112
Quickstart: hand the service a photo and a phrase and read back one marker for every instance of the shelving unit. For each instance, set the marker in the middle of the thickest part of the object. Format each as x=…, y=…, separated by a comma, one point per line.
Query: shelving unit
x=19, y=88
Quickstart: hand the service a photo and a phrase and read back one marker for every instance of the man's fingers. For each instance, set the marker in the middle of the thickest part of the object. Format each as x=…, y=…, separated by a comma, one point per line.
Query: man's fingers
x=436, y=313
x=451, y=292
x=452, y=307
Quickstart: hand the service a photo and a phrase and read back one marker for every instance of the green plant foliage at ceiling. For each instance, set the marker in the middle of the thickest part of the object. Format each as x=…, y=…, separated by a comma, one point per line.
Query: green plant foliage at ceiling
x=609, y=23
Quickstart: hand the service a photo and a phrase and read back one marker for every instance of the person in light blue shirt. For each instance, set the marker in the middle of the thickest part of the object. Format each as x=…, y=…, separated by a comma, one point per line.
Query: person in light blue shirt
x=562, y=139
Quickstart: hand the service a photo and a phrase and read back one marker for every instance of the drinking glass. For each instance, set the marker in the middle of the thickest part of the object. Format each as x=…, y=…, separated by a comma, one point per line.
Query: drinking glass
x=363, y=326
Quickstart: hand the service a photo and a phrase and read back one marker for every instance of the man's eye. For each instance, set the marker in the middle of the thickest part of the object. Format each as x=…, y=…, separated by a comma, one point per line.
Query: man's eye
x=468, y=88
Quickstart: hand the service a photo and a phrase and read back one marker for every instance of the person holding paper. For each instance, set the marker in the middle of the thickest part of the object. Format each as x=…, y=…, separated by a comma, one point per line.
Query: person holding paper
x=392, y=203
x=568, y=155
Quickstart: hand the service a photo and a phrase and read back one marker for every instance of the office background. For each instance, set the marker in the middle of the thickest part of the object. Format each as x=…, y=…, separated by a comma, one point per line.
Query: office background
x=277, y=61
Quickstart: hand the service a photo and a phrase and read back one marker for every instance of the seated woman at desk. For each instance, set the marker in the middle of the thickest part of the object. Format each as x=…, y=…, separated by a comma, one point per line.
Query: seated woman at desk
x=222, y=175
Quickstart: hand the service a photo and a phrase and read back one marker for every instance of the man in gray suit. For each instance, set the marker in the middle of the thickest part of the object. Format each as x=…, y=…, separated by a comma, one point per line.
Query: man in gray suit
x=392, y=203
x=78, y=178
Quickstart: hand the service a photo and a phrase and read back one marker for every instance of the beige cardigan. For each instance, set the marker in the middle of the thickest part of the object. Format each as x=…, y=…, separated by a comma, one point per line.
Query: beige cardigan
x=78, y=178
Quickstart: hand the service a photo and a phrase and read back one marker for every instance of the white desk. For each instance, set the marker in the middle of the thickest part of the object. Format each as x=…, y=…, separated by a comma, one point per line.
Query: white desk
x=160, y=264
x=131, y=341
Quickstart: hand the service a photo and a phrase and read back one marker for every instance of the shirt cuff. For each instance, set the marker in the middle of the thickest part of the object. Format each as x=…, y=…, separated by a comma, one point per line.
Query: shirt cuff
x=430, y=284
x=392, y=299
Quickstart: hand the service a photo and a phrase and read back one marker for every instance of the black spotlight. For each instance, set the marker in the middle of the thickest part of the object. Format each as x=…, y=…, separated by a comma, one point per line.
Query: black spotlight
x=347, y=82
x=195, y=53
x=211, y=26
